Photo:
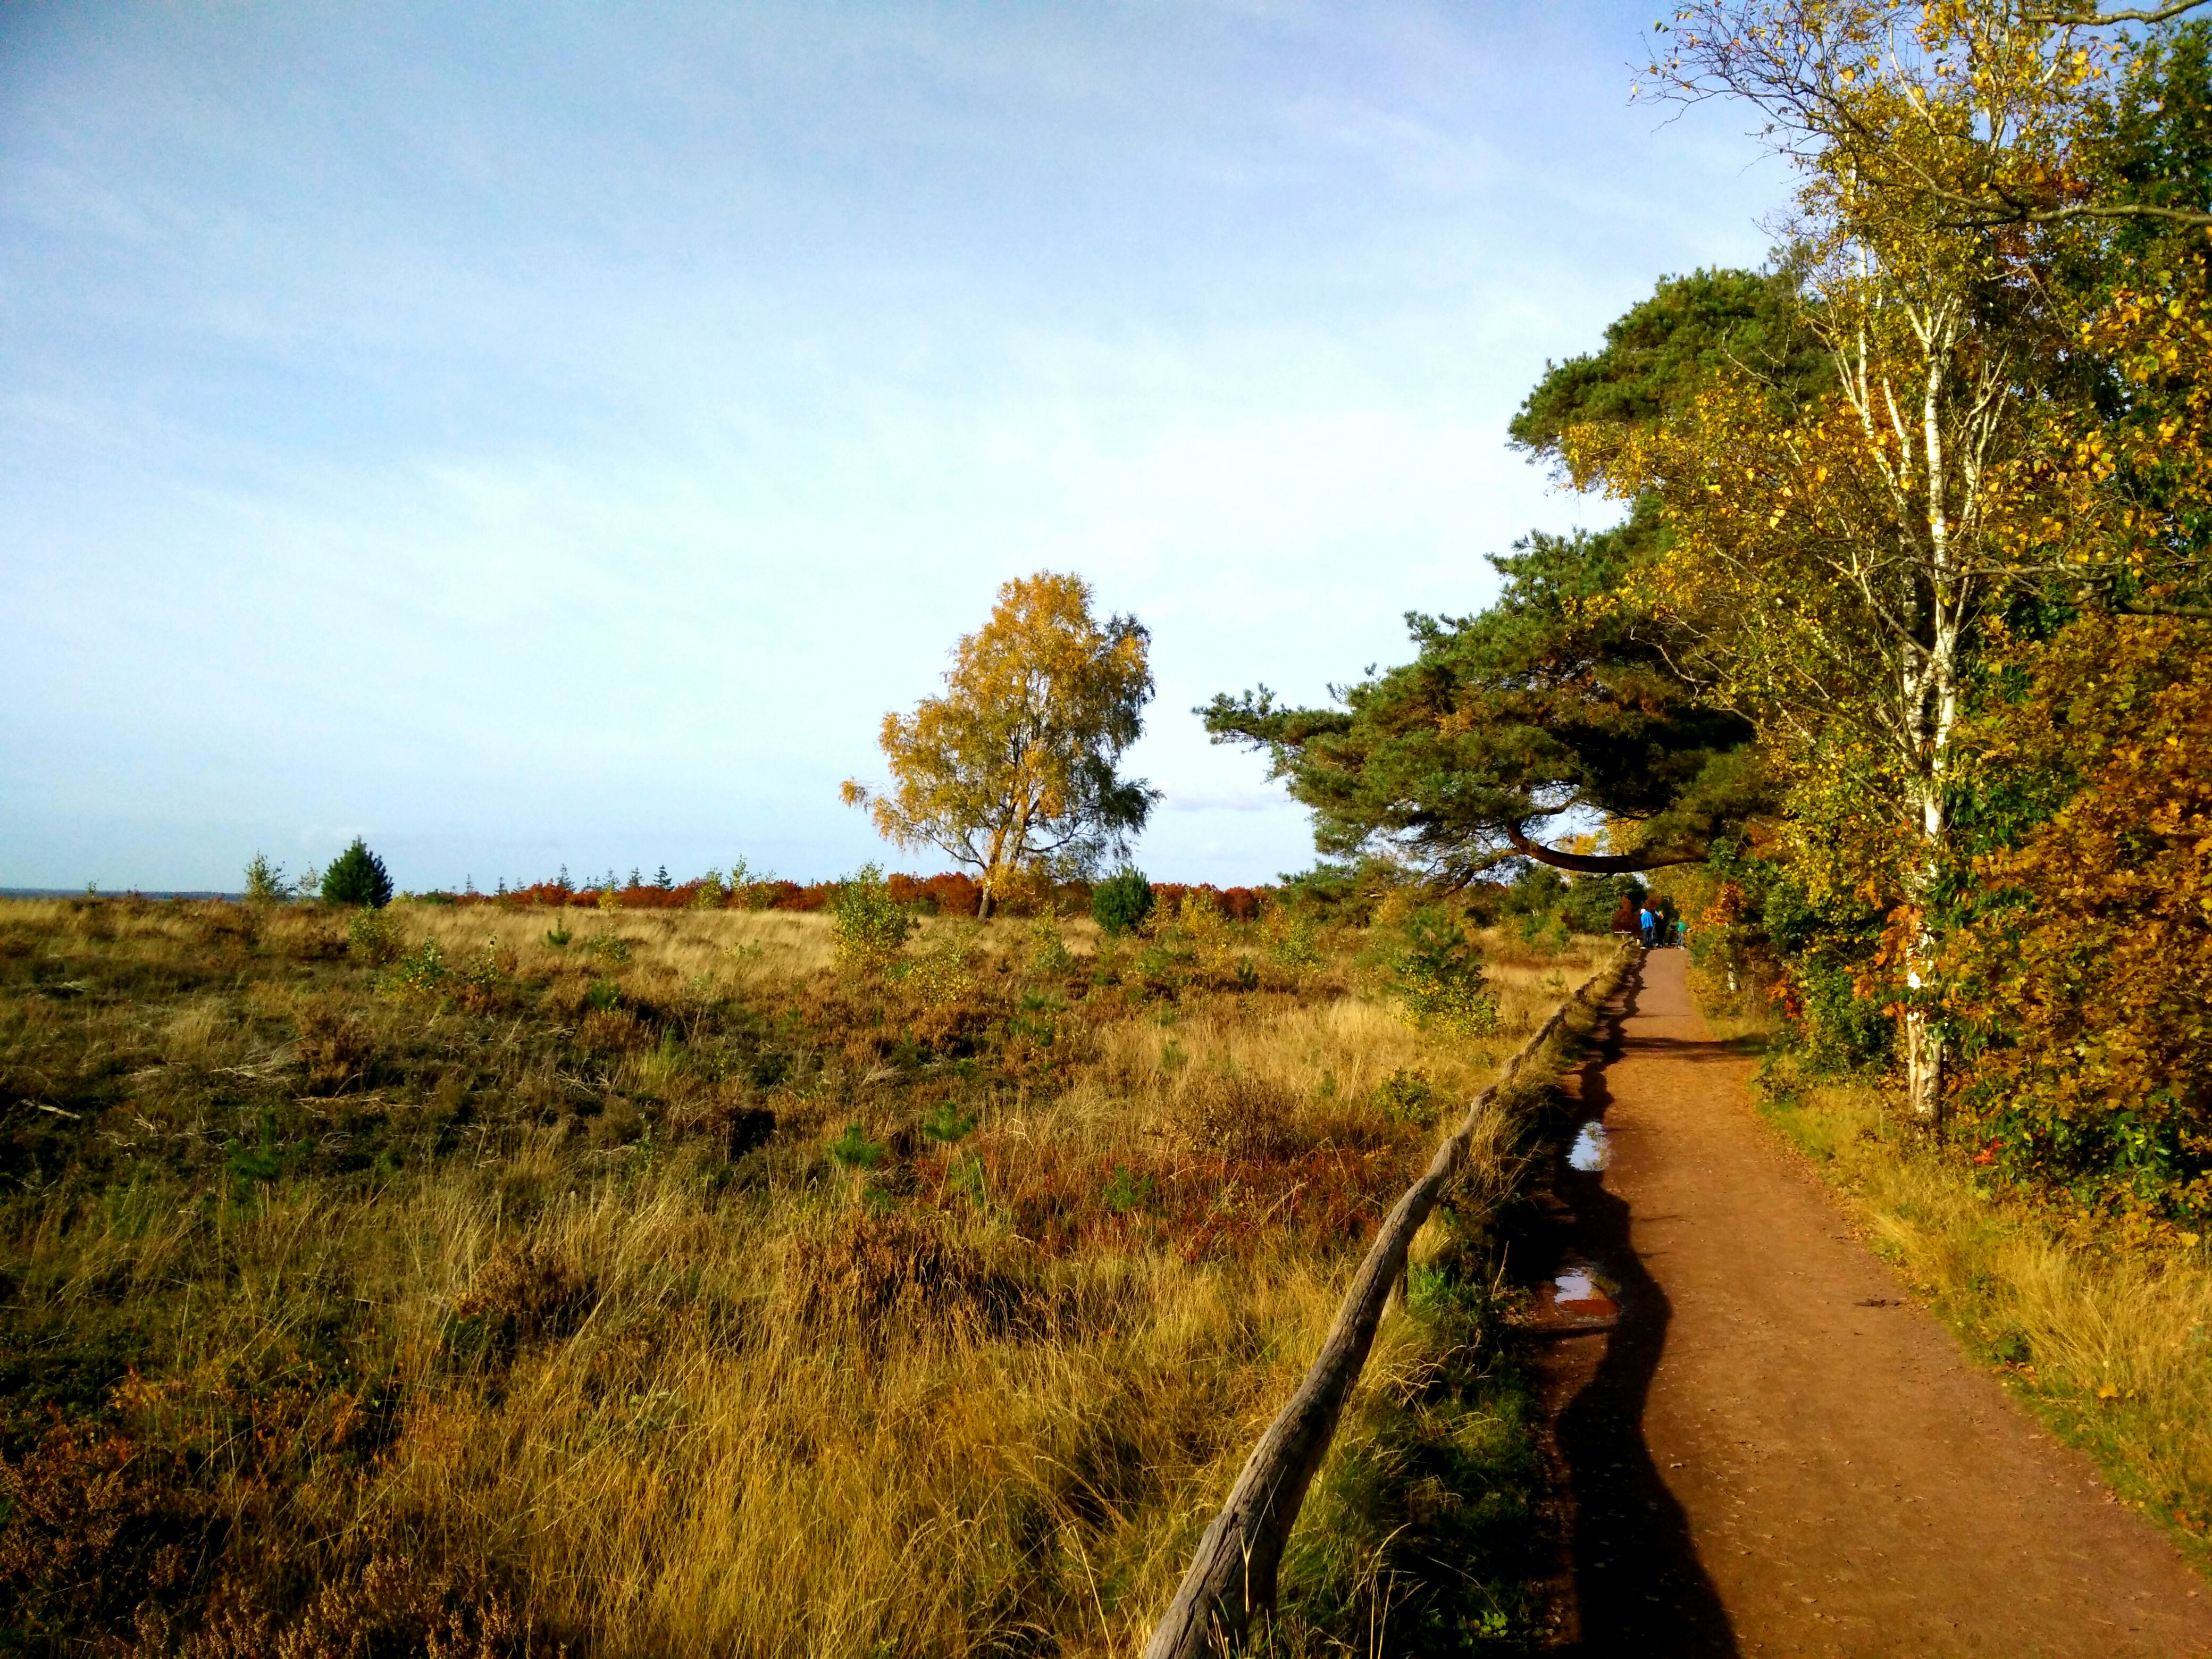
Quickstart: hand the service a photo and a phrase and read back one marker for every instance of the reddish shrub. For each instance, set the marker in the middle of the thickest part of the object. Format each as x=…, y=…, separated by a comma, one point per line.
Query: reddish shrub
x=951, y=894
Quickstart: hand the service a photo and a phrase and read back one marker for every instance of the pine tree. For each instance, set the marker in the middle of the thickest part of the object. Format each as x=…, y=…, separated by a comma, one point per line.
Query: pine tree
x=357, y=876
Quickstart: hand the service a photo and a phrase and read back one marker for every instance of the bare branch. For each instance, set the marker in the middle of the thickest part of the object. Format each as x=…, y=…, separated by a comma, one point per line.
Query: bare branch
x=2152, y=608
x=2088, y=17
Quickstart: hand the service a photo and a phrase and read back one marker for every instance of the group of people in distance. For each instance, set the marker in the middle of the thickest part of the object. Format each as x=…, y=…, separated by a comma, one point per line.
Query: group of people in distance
x=1653, y=927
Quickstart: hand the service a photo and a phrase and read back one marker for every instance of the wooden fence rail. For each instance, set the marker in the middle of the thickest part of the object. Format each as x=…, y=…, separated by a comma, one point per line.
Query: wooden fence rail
x=1233, y=1574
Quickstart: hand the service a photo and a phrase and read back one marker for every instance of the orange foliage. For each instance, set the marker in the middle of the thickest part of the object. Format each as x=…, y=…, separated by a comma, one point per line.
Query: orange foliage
x=2088, y=974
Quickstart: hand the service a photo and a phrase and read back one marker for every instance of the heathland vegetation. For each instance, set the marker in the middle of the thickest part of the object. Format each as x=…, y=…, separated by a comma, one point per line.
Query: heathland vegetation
x=474, y=1275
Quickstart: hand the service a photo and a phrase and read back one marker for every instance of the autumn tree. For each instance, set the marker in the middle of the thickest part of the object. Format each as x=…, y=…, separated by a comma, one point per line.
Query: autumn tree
x=2082, y=969
x=1014, y=768
x=1835, y=564
x=1969, y=116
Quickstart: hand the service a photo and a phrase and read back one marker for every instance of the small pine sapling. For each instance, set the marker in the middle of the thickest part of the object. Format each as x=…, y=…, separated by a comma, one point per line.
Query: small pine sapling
x=855, y=1151
x=948, y=1126
x=357, y=876
x=1120, y=903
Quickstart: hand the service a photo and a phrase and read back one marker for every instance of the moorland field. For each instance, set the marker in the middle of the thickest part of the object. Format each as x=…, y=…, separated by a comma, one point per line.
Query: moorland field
x=487, y=1278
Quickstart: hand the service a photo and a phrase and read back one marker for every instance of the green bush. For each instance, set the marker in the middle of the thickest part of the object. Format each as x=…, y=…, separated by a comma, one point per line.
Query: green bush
x=1437, y=976
x=855, y=1151
x=373, y=937
x=605, y=946
x=1287, y=931
x=264, y=882
x=870, y=926
x=949, y=1125
x=1049, y=952
x=1592, y=900
x=357, y=876
x=420, y=972
x=1121, y=901
x=1407, y=1095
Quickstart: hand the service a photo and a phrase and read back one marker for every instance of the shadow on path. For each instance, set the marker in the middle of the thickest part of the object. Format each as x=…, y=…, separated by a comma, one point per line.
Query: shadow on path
x=1639, y=1584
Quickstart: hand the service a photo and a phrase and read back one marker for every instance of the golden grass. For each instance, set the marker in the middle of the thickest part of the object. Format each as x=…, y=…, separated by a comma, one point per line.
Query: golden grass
x=510, y=1305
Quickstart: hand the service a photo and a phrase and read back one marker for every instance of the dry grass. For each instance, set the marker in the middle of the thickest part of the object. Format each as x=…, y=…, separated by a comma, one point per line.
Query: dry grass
x=666, y=1295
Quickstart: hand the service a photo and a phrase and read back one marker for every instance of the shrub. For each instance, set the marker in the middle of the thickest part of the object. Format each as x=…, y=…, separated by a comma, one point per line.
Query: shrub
x=1593, y=905
x=611, y=1030
x=334, y=1045
x=949, y=1125
x=1121, y=901
x=1126, y=1192
x=1407, y=1095
x=418, y=973
x=1439, y=976
x=523, y=1293
x=870, y=926
x=1200, y=921
x=952, y=894
x=855, y=1151
x=940, y=975
x=373, y=937
x=607, y=947
x=357, y=876
x=875, y=1269
x=1049, y=952
x=487, y=975
x=264, y=882
x=1288, y=933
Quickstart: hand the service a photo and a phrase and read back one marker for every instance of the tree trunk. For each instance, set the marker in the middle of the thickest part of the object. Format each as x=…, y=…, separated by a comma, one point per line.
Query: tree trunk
x=989, y=900
x=1923, y=1069
x=1924, y=1055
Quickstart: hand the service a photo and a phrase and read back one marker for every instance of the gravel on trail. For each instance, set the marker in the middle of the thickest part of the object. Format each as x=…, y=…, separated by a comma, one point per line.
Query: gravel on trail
x=1771, y=1447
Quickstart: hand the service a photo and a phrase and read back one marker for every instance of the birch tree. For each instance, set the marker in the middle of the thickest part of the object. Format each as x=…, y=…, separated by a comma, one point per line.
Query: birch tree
x=1835, y=568
x=1832, y=571
x=1015, y=768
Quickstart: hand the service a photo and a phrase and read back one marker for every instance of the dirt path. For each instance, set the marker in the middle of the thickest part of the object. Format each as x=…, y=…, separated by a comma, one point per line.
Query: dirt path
x=1774, y=1451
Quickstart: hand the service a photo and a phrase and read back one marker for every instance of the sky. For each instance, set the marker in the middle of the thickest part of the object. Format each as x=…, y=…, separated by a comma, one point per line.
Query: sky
x=554, y=435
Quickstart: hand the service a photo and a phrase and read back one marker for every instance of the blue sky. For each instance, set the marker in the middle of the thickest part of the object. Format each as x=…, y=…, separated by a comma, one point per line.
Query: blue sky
x=557, y=434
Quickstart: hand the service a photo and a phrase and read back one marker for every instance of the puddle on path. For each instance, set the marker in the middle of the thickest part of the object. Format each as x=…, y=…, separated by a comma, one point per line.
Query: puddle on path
x=1593, y=1148
x=1580, y=1295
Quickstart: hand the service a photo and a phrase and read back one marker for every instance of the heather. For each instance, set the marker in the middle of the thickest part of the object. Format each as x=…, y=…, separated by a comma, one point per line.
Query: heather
x=486, y=1276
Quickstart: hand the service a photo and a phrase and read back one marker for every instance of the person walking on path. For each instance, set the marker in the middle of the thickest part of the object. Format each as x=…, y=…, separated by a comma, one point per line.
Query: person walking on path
x=1646, y=924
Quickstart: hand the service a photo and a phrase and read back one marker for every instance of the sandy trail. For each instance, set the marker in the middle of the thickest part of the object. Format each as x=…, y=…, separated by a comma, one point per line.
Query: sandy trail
x=1775, y=1451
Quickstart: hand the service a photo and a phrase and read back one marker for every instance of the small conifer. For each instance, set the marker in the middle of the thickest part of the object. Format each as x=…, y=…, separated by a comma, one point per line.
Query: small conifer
x=1121, y=901
x=357, y=876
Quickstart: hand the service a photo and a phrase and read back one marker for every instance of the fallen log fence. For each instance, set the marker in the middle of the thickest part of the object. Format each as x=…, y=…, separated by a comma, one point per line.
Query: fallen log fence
x=1233, y=1574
